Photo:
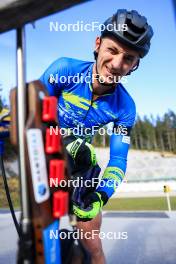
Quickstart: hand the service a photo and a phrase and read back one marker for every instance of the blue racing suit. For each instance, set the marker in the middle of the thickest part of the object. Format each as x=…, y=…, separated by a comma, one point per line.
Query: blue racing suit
x=70, y=80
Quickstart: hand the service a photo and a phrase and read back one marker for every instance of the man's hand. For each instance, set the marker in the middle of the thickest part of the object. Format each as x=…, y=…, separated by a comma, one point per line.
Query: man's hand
x=81, y=151
x=93, y=205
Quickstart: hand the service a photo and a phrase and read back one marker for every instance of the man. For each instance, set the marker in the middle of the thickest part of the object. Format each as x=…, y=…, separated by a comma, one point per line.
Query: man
x=97, y=102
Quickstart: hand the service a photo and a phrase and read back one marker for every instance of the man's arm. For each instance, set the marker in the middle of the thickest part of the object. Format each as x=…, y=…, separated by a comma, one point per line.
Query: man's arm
x=119, y=146
x=116, y=168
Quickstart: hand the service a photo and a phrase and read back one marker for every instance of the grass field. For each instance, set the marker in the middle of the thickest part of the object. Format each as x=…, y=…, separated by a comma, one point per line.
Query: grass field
x=13, y=184
x=121, y=204
x=137, y=204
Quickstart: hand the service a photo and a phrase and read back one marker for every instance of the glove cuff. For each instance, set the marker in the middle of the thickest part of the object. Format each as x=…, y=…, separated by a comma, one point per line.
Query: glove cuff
x=104, y=197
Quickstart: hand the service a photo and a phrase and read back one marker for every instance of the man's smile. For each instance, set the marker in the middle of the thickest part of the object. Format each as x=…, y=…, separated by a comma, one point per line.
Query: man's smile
x=112, y=74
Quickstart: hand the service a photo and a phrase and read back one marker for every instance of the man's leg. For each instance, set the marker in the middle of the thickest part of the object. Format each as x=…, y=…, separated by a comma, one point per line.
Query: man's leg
x=93, y=245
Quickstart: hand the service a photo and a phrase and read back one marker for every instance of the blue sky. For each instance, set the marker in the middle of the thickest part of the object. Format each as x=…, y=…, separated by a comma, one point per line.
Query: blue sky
x=152, y=86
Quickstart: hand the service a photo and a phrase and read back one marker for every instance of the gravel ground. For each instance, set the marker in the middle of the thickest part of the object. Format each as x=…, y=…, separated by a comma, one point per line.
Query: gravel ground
x=139, y=238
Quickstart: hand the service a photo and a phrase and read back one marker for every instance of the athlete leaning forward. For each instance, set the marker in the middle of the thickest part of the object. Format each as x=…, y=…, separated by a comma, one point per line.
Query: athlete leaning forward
x=94, y=101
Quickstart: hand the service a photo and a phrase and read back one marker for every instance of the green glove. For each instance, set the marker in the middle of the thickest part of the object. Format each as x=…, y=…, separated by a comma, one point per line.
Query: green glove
x=94, y=204
x=81, y=151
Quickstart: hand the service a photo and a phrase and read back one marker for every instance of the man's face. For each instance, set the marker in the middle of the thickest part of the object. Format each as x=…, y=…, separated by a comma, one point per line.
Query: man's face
x=114, y=59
